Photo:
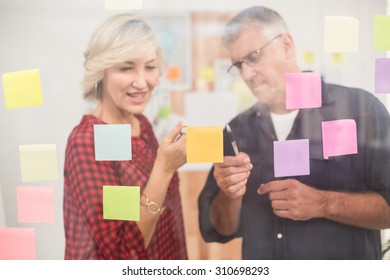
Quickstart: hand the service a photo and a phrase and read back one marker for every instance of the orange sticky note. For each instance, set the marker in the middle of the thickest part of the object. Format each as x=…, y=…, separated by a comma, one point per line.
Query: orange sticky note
x=35, y=204
x=204, y=144
x=17, y=244
x=173, y=73
x=22, y=89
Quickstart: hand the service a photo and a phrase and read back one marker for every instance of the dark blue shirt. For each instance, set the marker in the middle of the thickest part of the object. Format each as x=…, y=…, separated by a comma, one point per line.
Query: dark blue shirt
x=266, y=236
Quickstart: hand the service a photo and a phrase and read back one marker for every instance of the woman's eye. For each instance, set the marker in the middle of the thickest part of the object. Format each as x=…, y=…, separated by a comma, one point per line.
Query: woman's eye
x=151, y=67
x=125, y=68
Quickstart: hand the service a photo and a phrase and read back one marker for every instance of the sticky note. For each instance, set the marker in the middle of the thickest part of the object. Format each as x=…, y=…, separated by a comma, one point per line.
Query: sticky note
x=338, y=58
x=124, y=5
x=173, y=73
x=341, y=34
x=38, y=162
x=207, y=74
x=204, y=144
x=35, y=204
x=303, y=90
x=17, y=244
x=309, y=57
x=112, y=141
x=22, y=89
x=291, y=158
x=339, y=137
x=121, y=203
x=382, y=33
x=382, y=75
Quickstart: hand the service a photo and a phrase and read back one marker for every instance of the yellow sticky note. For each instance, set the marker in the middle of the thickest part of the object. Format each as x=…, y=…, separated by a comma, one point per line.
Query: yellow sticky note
x=38, y=162
x=124, y=4
x=382, y=33
x=22, y=89
x=121, y=203
x=207, y=74
x=309, y=57
x=204, y=144
x=338, y=58
x=341, y=34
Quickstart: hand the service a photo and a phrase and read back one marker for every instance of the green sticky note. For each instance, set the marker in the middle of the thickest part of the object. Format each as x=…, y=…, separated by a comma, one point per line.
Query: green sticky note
x=121, y=203
x=22, y=89
x=382, y=33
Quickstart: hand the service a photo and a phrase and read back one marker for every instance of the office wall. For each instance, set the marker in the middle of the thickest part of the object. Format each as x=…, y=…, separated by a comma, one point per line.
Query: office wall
x=52, y=35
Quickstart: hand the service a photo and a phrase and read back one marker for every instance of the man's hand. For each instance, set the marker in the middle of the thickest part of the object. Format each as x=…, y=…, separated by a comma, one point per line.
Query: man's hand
x=294, y=200
x=232, y=175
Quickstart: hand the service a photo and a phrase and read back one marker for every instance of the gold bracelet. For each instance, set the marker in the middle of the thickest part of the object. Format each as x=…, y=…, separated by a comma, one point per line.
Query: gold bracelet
x=153, y=207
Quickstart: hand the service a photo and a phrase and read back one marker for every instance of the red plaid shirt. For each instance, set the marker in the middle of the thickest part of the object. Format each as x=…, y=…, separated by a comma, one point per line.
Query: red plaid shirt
x=88, y=235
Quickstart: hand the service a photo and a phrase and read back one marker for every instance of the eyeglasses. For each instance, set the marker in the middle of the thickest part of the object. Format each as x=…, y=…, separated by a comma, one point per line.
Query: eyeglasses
x=250, y=59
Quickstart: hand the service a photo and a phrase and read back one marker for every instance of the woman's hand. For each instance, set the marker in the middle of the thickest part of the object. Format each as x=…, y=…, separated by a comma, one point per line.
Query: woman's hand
x=171, y=153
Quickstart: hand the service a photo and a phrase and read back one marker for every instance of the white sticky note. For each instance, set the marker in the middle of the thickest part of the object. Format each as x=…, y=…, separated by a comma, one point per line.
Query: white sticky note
x=341, y=34
x=38, y=162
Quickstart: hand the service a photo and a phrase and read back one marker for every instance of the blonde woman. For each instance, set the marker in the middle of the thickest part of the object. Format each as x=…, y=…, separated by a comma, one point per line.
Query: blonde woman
x=122, y=68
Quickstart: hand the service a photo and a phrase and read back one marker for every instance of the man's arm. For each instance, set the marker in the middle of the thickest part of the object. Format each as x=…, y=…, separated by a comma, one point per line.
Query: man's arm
x=293, y=200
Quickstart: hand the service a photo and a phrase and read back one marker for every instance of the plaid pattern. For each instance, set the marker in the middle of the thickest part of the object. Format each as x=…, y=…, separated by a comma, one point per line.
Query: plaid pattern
x=88, y=235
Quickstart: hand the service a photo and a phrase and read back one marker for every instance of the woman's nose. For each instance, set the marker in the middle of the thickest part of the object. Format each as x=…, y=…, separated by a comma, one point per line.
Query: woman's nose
x=139, y=80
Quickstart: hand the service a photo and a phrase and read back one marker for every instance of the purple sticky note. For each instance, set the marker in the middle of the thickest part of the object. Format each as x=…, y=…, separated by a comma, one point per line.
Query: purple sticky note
x=17, y=244
x=382, y=75
x=339, y=138
x=291, y=158
x=35, y=204
x=303, y=90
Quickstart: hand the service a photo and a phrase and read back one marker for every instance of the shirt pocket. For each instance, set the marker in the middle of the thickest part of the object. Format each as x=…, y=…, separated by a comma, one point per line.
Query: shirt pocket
x=334, y=173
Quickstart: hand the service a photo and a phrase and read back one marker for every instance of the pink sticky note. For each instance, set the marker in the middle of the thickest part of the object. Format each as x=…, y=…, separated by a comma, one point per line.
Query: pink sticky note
x=339, y=137
x=17, y=244
x=291, y=158
x=303, y=90
x=382, y=75
x=35, y=204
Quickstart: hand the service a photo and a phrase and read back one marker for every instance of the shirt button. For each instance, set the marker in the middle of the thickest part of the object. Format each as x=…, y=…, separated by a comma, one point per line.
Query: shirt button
x=279, y=236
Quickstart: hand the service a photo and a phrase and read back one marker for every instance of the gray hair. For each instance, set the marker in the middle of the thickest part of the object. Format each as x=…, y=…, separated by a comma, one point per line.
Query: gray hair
x=268, y=21
x=119, y=39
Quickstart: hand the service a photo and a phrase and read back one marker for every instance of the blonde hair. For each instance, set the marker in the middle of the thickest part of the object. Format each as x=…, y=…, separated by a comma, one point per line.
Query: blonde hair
x=120, y=38
x=268, y=21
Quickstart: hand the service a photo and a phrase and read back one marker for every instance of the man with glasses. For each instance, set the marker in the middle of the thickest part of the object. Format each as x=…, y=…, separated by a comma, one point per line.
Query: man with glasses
x=335, y=212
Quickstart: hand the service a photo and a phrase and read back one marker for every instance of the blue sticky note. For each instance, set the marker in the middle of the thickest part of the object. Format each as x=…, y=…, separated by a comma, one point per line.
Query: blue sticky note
x=112, y=141
x=291, y=158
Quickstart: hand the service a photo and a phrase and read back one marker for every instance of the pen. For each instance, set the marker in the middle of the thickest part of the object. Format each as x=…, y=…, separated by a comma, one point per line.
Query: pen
x=231, y=138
